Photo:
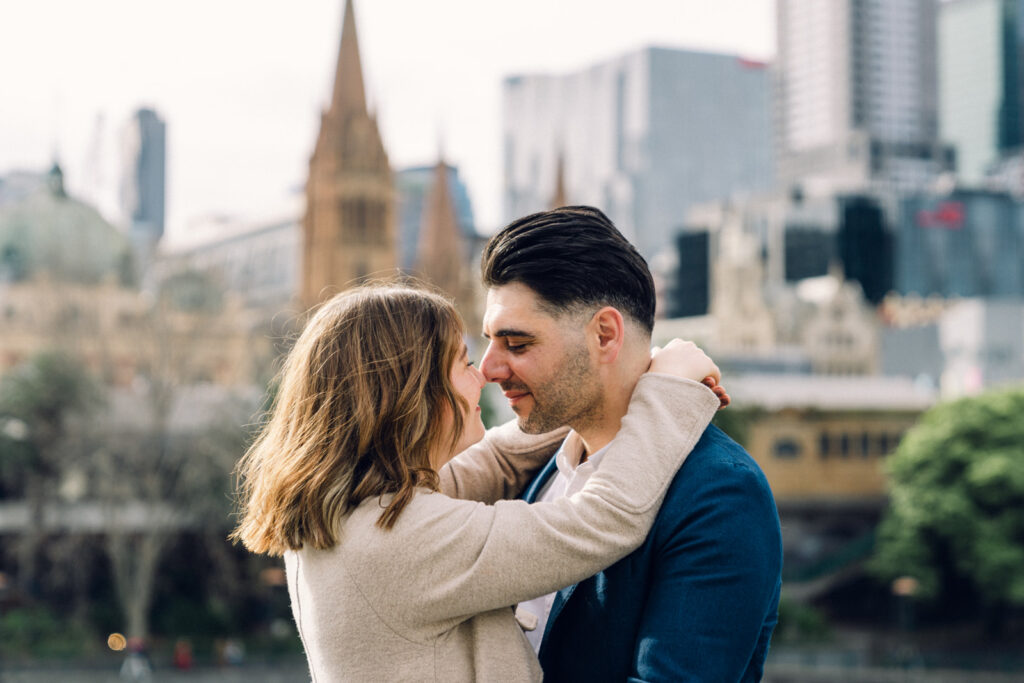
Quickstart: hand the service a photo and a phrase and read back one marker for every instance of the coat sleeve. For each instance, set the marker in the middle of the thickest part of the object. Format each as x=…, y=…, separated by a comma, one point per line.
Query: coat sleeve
x=499, y=466
x=461, y=558
x=714, y=588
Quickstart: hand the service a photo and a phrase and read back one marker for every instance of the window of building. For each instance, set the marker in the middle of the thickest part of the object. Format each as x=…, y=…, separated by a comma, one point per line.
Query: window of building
x=844, y=445
x=786, y=448
x=824, y=446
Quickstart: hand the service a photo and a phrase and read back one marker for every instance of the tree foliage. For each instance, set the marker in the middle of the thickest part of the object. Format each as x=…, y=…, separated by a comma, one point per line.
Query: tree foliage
x=957, y=501
x=43, y=405
x=46, y=391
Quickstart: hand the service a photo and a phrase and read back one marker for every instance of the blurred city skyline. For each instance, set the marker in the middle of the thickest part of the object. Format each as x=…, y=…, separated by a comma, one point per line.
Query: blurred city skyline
x=241, y=85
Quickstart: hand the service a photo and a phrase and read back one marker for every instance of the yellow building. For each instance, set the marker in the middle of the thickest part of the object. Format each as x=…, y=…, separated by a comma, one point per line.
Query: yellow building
x=823, y=440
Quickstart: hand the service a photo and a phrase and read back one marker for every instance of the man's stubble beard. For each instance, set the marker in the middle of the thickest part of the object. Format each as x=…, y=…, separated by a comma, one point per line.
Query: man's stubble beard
x=573, y=397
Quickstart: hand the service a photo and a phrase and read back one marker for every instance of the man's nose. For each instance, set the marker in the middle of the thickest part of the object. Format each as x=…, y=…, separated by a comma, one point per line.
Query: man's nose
x=492, y=366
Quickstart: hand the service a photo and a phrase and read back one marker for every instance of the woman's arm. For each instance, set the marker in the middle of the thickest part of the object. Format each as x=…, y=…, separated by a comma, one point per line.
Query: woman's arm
x=500, y=465
x=459, y=558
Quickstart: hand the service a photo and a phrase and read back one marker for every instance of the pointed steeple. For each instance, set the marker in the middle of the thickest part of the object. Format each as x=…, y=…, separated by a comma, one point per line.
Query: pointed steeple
x=349, y=93
x=440, y=254
x=559, y=199
x=349, y=226
x=55, y=180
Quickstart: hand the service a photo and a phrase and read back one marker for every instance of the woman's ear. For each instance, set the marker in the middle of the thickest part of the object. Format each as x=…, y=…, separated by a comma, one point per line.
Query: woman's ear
x=606, y=334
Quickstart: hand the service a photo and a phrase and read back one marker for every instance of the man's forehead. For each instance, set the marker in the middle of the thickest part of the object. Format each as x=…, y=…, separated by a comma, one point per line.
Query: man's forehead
x=513, y=306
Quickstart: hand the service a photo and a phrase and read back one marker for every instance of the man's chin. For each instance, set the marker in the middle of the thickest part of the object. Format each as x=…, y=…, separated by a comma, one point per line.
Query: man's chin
x=529, y=424
x=527, y=428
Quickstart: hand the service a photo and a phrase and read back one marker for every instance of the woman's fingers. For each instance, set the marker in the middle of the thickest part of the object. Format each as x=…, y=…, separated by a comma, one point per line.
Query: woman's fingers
x=723, y=397
x=684, y=359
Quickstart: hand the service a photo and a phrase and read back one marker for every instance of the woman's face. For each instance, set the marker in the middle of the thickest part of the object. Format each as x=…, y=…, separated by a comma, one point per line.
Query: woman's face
x=468, y=382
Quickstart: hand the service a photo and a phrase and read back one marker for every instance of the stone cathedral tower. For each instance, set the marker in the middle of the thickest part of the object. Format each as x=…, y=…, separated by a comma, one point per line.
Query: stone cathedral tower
x=349, y=226
x=442, y=258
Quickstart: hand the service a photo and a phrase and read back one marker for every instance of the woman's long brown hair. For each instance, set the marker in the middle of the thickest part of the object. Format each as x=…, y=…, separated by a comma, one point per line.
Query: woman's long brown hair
x=365, y=397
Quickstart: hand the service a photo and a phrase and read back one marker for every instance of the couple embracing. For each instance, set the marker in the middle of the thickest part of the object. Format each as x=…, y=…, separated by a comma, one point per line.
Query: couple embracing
x=608, y=534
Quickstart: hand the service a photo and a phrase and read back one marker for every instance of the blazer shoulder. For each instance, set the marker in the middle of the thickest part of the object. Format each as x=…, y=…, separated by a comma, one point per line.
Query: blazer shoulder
x=717, y=462
x=719, y=492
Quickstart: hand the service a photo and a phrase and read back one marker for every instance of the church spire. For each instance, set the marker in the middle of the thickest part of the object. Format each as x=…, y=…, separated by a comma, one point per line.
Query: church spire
x=349, y=226
x=559, y=199
x=440, y=255
x=349, y=93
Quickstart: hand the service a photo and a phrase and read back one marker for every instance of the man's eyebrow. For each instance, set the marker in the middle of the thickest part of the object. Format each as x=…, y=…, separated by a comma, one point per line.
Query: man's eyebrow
x=509, y=332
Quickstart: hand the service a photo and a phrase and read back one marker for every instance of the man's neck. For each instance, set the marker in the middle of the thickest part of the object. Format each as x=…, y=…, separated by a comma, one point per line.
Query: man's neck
x=604, y=424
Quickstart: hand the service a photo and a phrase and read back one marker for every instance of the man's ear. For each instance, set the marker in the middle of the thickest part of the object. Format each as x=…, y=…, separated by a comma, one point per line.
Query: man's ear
x=606, y=334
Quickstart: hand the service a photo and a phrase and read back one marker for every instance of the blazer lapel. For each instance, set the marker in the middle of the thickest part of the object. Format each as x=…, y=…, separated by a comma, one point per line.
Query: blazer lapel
x=561, y=598
x=539, y=480
x=530, y=496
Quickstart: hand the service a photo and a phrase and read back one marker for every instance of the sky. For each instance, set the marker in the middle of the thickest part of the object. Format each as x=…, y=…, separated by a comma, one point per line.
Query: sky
x=241, y=84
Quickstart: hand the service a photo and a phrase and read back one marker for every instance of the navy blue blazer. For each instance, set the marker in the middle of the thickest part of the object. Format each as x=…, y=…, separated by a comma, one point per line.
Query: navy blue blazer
x=697, y=601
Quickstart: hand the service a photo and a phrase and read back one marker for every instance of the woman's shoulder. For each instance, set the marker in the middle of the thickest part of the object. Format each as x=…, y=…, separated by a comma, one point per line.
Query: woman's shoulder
x=428, y=511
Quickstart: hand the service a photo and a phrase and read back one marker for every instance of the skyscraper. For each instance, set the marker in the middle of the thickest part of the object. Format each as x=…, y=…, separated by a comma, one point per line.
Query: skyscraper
x=144, y=178
x=855, y=95
x=981, y=45
x=643, y=137
x=349, y=225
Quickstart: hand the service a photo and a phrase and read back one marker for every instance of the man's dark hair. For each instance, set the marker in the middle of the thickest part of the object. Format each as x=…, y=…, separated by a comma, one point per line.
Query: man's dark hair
x=572, y=256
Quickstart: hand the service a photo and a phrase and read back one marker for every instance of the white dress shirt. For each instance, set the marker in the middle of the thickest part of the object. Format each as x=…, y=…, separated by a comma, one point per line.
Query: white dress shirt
x=571, y=477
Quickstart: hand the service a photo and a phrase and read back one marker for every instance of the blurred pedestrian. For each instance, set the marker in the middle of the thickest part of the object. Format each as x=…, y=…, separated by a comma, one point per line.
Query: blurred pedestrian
x=182, y=654
x=136, y=666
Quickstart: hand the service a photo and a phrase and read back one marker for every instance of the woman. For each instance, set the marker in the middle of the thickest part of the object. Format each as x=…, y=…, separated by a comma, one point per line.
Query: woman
x=389, y=578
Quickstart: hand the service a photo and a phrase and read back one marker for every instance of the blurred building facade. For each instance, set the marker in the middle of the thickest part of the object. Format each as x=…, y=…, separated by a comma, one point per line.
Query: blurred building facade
x=67, y=282
x=822, y=439
x=17, y=185
x=791, y=236
x=966, y=243
x=983, y=345
x=856, y=99
x=643, y=137
x=259, y=262
x=981, y=48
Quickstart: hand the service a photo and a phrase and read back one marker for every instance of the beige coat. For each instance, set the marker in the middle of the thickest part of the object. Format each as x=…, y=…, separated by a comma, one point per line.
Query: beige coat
x=430, y=600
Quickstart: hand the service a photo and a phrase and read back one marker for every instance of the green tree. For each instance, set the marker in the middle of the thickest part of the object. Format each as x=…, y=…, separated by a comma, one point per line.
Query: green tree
x=165, y=476
x=956, y=510
x=44, y=404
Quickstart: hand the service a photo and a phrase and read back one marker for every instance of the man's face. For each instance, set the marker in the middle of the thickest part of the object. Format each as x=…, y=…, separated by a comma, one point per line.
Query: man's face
x=540, y=360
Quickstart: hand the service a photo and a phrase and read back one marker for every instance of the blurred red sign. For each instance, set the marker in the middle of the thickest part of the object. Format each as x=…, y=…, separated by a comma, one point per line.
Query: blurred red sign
x=748, y=63
x=947, y=215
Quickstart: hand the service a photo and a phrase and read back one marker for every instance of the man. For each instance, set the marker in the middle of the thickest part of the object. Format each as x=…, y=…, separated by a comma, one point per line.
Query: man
x=570, y=310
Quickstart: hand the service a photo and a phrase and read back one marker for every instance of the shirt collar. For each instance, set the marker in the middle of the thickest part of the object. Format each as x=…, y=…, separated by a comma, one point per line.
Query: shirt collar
x=567, y=459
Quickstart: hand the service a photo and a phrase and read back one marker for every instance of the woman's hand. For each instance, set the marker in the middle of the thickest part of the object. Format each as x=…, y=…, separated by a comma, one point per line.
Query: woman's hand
x=685, y=359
